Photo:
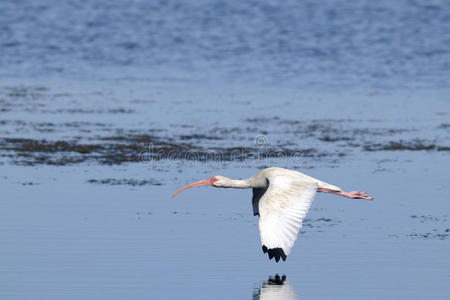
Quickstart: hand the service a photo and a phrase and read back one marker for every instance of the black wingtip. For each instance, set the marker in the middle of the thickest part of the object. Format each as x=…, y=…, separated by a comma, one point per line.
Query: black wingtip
x=275, y=252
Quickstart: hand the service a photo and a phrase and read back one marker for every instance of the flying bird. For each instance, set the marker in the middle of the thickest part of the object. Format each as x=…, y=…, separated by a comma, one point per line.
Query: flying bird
x=281, y=200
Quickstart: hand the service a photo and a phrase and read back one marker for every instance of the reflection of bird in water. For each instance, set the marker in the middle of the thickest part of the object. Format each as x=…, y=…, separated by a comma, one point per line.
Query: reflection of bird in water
x=281, y=199
x=276, y=288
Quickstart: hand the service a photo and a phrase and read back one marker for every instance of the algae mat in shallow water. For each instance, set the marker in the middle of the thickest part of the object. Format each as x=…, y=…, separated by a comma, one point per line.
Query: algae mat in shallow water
x=86, y=209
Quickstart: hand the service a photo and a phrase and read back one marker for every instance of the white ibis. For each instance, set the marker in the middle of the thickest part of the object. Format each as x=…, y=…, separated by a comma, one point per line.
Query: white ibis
x=281, y=199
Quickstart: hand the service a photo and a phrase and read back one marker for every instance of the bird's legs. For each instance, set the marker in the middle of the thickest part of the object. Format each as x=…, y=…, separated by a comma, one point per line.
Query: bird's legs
x=352, y=195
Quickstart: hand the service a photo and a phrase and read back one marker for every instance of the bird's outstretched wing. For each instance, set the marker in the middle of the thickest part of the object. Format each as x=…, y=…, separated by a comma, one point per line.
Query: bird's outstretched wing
x=282, y=209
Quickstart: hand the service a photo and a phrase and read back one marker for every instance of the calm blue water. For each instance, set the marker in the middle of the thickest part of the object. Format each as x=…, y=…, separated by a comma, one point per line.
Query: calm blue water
x=360, y=88
x=401, y=43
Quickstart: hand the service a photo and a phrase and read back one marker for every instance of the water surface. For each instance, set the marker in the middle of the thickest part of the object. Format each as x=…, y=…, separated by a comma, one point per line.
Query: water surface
x=107, y=108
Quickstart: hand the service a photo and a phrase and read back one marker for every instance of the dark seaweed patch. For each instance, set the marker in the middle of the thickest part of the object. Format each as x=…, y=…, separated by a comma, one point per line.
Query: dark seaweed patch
x=29, y=145
x=199, y=137
x=328, y=138
x=136, y=148
x=320, y=222
x=28, y=183
x=30, y=152
x=132, y=182
x=428, y=218
x=435, y=235
x=415, y=145
x=120, y=110
x=28, y=92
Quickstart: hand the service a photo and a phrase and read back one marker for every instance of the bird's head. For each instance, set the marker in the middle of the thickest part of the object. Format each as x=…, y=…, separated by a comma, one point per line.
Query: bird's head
x=215, y=181
x=221, y=181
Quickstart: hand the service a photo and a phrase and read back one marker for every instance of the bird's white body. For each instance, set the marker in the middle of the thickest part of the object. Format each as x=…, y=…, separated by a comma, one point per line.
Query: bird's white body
x=281, y=199
x=283, y=206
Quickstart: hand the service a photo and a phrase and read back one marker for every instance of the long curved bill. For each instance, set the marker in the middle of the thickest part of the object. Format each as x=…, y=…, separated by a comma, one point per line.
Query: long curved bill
x=198, y=183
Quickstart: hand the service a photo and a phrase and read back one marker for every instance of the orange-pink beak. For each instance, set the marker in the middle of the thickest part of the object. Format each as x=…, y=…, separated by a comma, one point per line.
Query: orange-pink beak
x=198, y=183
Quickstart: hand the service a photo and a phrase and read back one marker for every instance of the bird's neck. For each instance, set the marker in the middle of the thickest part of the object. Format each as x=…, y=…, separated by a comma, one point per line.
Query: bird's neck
x=238, y=183
x=252, y=182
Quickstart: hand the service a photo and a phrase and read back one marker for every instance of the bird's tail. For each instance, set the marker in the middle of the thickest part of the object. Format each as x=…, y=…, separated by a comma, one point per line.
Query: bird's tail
x=328, y=186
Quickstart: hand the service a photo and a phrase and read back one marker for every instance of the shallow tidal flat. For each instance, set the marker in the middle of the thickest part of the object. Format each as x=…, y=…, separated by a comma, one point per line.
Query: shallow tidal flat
x=87, y=171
